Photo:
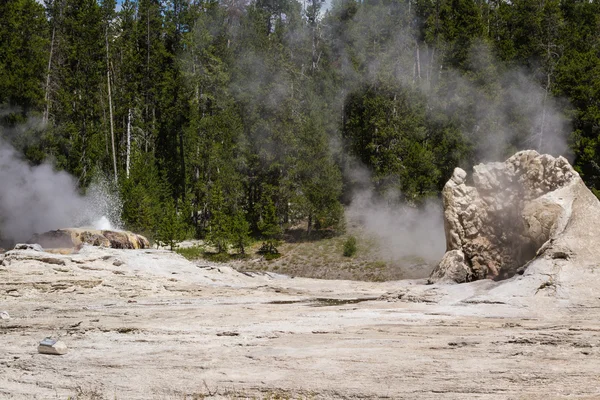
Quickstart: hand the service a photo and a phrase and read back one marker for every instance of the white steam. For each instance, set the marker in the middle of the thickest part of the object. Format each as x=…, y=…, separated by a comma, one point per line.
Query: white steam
x=103, y=224
x=399, y=230
x=35, y=199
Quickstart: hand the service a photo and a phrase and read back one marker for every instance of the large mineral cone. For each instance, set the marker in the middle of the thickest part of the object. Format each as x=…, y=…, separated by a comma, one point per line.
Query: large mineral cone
x=500, y=223
x=74, y=237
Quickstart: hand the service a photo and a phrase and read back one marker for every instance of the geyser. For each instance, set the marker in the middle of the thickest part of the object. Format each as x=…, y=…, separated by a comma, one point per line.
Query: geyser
x=36, y=199
x=103, y=224
x=504, y=220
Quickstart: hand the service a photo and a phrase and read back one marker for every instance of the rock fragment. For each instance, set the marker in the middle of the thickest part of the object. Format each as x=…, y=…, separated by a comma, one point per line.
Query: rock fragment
x=28, y=246
x=52, y=346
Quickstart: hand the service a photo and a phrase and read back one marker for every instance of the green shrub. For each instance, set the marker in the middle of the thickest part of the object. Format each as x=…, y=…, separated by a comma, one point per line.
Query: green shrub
x=172, y=229
x=350, y=248
x=271, y=256
x=269, y=250
x=191, y=253
x=222, y=257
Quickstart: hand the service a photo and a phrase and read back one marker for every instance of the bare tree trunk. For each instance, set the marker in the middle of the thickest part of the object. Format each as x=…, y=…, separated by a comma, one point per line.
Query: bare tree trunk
x=148, y=40
x=418, y=59
x=430, y=69
x=314, y=36
x=127, y=163
x=47, y=95
x=104, y=122
x=110, y=109
x=543, y=122
x=549, y=73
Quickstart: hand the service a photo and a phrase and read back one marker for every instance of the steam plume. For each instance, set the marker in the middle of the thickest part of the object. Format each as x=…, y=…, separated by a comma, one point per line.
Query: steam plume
x=35, y=199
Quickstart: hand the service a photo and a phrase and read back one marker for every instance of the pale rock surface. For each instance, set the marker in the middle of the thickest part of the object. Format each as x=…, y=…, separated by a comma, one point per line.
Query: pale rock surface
x=149, y=324
x=498, y=224
x=158, y=326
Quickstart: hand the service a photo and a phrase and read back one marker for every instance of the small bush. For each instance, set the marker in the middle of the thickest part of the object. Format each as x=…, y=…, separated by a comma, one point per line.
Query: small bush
x=222, y=257
x=269, y=250
x=271, y=256
x=191, y=253
x=350, y=248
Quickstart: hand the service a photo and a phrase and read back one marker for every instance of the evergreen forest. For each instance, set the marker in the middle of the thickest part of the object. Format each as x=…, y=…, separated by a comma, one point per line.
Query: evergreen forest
x=230, y=119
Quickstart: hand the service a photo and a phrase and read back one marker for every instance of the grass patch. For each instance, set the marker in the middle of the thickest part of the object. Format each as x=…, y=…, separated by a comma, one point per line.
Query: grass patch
x=376, y=265
x=217, y=257
x=271, y=256
x=191, y=253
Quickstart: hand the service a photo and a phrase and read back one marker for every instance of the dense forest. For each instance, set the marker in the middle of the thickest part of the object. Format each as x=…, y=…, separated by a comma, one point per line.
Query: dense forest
x=220, y=119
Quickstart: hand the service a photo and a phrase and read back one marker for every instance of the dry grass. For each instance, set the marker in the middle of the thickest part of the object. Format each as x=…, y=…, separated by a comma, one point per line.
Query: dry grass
x=323, y=257
x=320, y=255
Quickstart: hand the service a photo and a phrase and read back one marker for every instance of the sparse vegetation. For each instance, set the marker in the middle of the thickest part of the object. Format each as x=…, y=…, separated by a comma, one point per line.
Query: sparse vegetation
x=324, y=258
x=217, y=257
x=191, y=253
x=269, y=250
x=350, y=247
x=82, y=393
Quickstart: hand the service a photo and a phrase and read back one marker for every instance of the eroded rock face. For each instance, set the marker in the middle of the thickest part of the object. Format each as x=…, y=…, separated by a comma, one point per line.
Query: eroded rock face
x=498, y=224
x=74, y=237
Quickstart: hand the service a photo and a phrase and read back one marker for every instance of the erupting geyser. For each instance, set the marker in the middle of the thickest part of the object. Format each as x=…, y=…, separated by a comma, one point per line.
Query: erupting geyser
x=36, y=199
x=103, y=224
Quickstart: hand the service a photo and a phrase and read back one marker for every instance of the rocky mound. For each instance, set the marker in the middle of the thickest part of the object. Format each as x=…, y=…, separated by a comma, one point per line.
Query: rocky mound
x=515, y=211
x=75, y=237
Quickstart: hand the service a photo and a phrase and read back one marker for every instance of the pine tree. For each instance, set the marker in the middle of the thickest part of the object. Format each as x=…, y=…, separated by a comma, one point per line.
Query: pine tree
x=220, y=226
x=240, y=232
x=172, y=228
x=23, y=41
x=269, y=229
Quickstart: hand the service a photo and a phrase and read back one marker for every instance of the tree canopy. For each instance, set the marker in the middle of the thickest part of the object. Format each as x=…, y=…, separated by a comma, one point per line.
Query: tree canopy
x=232, y=118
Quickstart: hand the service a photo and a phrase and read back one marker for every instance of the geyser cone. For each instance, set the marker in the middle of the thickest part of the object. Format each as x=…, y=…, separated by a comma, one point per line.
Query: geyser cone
x=513, y=209
x=75, y=237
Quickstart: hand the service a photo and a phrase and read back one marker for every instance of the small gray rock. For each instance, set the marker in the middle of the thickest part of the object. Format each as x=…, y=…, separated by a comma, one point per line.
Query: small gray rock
x=28, y=246
x=4, y=315
x=52, y=346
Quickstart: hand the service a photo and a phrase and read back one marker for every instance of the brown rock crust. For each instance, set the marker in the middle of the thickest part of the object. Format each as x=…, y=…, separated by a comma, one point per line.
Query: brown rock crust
x=75, y=237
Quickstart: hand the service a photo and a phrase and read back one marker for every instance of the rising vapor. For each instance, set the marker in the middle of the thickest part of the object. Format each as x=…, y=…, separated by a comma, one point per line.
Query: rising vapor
x=35, y=199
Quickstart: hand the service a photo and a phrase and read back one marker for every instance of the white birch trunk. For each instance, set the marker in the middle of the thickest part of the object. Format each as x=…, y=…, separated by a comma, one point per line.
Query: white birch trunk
x=127, y=162
x=47, y=94
x=110, y=109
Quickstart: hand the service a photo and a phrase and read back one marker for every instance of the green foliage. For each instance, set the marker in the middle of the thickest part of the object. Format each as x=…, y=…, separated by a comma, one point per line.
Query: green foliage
x=240, y=232
x=240, y=120
x=350, y=247
x=269, y=250
x=191, y=253
x=269, y=223
x=23, y=42
x=172, y=227
x=388, y=131
x=270, y=230
x=217, y=257
x=220, y=228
